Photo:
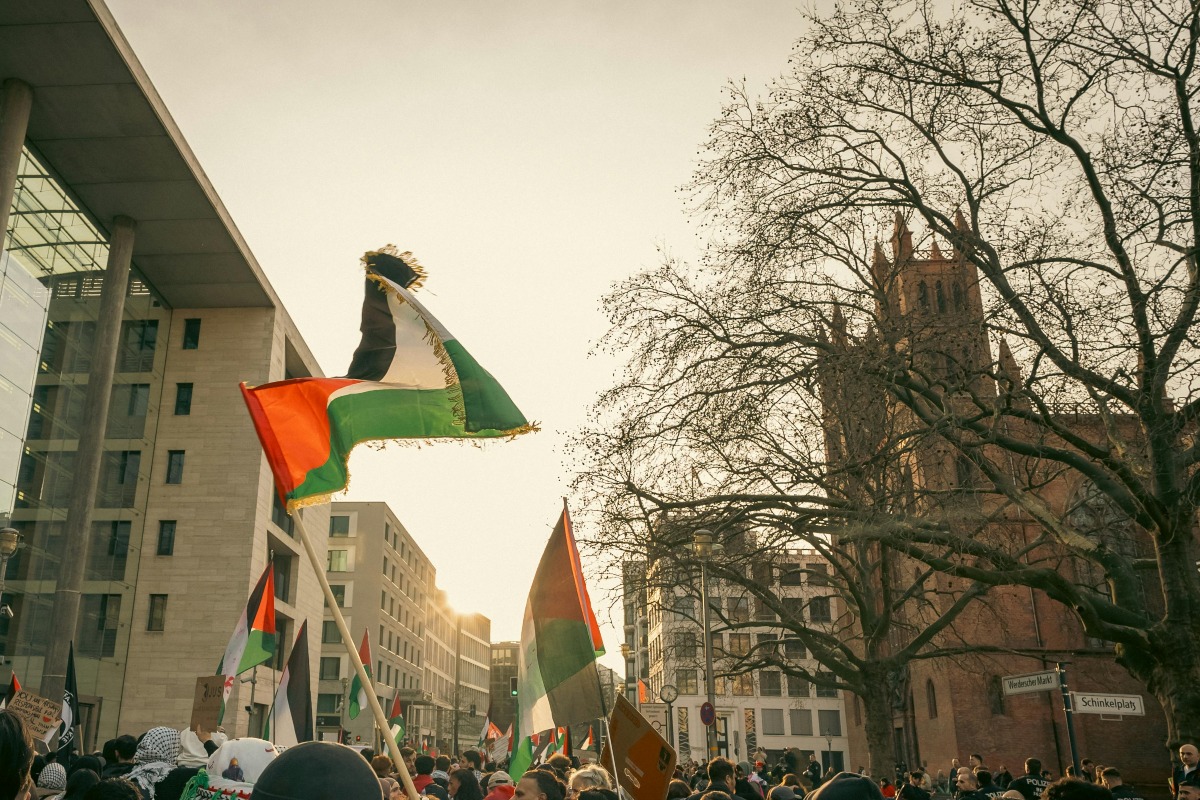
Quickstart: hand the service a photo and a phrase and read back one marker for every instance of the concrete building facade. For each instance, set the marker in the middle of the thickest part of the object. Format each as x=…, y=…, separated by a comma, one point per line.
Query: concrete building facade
x=125, y=285
x=421, y=649
x=762, y=708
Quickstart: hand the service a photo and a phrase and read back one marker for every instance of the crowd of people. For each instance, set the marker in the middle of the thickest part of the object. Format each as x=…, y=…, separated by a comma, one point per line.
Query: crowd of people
x=168, y=764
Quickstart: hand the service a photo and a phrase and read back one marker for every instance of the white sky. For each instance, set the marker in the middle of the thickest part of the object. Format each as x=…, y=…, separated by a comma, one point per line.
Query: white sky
x=528, y=153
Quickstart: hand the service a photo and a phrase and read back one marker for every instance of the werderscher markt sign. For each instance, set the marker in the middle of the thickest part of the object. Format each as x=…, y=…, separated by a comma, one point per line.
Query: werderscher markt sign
x=1033, y=682
x=1105, y=703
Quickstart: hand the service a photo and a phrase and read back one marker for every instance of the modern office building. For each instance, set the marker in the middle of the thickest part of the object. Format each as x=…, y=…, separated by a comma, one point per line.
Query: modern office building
x=421, y=649
x=130, y=309
x=383, y=582
x=761, y=708
x=504, y=683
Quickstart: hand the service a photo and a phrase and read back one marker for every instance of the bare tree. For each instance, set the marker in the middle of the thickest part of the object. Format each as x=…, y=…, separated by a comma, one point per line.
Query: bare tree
x=1049, y=153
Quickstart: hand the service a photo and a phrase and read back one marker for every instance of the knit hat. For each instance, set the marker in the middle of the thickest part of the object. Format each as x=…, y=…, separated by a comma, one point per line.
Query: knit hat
x=847, y=786
x=54, y=776
x=500, y=778
x=317, y=771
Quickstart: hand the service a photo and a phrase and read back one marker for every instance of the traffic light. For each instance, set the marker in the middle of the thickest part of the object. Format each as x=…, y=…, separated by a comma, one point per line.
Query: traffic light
x=512, y=686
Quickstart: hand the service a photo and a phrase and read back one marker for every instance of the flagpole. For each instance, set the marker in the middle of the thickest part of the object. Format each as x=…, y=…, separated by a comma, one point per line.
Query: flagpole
x=340, y=621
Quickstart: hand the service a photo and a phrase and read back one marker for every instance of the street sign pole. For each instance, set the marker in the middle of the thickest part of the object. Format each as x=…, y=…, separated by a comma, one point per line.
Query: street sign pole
x=1066, y=696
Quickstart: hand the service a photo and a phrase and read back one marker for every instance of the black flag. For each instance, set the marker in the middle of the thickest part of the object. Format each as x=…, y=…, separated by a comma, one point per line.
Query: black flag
x=70, y=711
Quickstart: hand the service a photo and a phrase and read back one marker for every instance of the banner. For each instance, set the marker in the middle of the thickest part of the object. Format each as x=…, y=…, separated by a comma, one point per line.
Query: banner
x=645, y=760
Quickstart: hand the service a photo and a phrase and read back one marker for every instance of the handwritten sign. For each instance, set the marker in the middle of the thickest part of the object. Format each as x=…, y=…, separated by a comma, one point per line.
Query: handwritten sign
x=39, y=714
x=206, y=705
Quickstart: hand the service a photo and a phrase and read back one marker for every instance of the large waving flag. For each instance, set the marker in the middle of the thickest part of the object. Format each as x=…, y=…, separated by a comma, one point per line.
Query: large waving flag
x=560, y=640
x=358, y=692
x=409, y=378
x=253, y=640
x=293, y=711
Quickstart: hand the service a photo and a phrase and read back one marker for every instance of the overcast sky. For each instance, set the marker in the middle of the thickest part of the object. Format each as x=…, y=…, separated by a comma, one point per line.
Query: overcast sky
x=528, y=153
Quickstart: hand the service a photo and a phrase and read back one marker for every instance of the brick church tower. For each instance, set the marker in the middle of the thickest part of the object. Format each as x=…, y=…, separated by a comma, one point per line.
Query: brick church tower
x=931, y=313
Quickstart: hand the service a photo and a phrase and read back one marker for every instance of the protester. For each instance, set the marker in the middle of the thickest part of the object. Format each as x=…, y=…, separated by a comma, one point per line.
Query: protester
x=913, y=790
x=885, y=788
x=1110, y=778
x=676, y=790
x=1187, y=772
x=967, y=784
x=114, y=789
x=540, y=785
x=155, y=757
x=52, y=781
x=846, y=786
x=316, y=771
x=593, y=776
x=500, y=786
x=124, y=750
x=464, y=785
x=389, y=787
x=79, y=783
x=423, y=780
x=722, y=777
x=1075, y=789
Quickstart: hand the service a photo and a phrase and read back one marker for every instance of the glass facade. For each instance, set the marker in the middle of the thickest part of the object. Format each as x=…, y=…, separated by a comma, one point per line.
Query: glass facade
x=51, y=276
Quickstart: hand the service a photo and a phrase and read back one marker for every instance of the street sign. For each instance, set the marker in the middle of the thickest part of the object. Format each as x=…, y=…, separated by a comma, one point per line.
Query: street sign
x=656, y=715
x=708, y=714
x=1032, y=682
x=1107, y=703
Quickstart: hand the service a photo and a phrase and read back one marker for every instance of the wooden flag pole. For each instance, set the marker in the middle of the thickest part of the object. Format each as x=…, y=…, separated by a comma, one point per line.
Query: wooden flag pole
x=376, y=710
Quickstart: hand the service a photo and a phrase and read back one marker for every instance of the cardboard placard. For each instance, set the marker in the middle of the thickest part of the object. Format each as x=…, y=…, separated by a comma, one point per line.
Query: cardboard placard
x=206, y=704
x=39, y=714
x=644, y=760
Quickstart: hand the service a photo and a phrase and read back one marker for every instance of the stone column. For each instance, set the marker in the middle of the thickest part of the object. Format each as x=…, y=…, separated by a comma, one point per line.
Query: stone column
x=14, y=119
x=88, y=457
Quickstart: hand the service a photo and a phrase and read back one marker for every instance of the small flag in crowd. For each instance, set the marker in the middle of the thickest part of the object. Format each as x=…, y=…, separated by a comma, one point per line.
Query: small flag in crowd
x=254, y=638
x=408, y=379
x=358, y=692
x=70, y=711
x=293, y=711
x=396, y=718
x=590, y=742
x=14, y=686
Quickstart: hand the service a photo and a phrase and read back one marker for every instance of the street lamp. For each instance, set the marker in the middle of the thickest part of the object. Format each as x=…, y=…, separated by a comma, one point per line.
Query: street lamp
x=10, y=540
x=828, y=750
x=705, y=546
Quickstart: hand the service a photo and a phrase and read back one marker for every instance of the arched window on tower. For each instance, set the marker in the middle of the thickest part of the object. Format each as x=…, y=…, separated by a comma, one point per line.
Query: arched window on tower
x=959, y=298
x=930, y=698
x=923, y=295
x=995, y=692
x=941, y=297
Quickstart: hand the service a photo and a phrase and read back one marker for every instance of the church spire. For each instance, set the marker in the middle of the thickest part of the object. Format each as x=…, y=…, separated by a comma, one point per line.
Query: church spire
x=902, y=246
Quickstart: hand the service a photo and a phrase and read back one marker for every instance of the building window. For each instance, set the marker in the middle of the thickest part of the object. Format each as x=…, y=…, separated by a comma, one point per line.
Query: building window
x=819, y=610
x=330, y=633
x=827, y=691
x=739, y=644
x=930, y=699
x=686, y=681
x=923, y=295
x=385, y=566
x=100, y=616
x=339, y=525
x=818, y=574
x=685, y=644
x=157, y=620
x=138, y=340
x=339, y=561
x=331, y=668
x=996, y=696
x=339, y=594
x=183, y=399
x=684, y=607
x=797, y=686
x=770, y=684
x=175, y=466
x=191, y=334
x=792, y=576
x=829, y=722
x=280, y=516
x=940, y=293
x=739, y=609
x=743, y=684
x=139, y=399
x=801, y=721
x=328, y=703
x=166, y=537
x=772, y=721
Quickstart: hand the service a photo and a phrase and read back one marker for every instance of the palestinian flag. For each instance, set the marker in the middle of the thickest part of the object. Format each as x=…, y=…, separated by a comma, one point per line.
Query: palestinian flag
x=560, y=640
x=358, y=692
x=292, y=713
x=408, y=379
x=14, y=686
x=490, y=730
x=590, y=742
x=520, y=747
x=396, y=718
x=253, y=640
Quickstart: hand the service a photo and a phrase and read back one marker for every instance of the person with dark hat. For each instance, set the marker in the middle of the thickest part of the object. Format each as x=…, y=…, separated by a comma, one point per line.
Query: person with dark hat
x=846, y=786
x=317, y=771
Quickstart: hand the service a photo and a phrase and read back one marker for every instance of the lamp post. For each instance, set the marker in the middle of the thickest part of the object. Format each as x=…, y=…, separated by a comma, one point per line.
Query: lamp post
x=627, y=654
x=10, y=540
x=828, y=751
x=342, y=710
x=705, y=546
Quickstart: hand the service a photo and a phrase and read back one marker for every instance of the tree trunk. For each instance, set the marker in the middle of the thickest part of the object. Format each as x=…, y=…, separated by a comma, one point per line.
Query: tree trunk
x=1170, y=671
x=877, y=709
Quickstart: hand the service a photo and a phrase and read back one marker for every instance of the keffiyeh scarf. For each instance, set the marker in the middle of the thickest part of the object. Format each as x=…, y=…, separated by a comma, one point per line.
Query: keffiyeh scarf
x=155, y=757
